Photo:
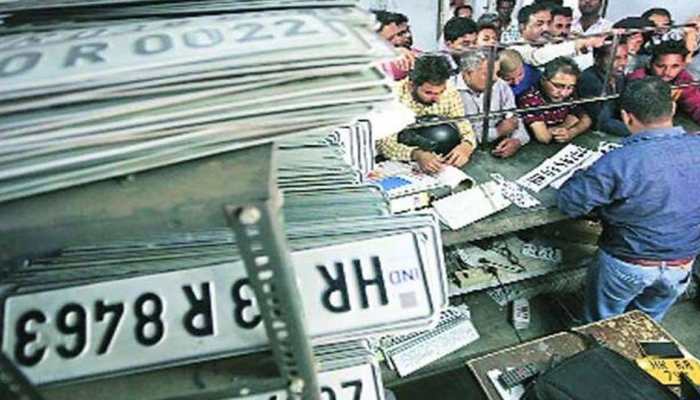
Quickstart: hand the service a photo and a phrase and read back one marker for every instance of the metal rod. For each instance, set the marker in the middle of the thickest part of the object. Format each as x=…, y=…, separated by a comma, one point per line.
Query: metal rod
x=610, y=66
x=538, y=108
x=491, y=67
x=263, y=247
x=557, y=40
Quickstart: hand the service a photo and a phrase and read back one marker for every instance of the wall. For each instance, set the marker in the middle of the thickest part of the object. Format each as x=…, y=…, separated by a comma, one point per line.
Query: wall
x=680, y=9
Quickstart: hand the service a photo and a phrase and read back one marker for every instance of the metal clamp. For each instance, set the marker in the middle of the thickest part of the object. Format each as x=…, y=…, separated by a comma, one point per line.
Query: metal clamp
x=263, y=249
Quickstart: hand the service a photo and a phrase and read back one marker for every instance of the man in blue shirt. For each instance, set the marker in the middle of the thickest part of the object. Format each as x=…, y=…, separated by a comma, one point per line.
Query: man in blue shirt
x=516, y=73
x=647, y=195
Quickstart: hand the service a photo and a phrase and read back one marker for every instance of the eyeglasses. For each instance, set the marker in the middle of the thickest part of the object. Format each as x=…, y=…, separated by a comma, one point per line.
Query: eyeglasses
x=562, y=86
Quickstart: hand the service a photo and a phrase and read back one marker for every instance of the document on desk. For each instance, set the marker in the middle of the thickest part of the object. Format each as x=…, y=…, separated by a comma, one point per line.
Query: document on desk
x=451, y=176
x=463, y=208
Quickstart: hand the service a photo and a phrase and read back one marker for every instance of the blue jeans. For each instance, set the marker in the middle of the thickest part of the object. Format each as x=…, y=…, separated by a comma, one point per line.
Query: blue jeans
x=614, y=286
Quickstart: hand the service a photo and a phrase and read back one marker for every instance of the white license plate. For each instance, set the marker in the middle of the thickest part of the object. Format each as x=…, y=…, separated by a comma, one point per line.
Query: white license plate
x=189, y=40
x=348, y=290
x=354, y=383
x=552, y=168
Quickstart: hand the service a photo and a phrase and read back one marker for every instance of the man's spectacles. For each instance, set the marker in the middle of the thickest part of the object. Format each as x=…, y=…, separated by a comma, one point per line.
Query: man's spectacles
x=562, y=86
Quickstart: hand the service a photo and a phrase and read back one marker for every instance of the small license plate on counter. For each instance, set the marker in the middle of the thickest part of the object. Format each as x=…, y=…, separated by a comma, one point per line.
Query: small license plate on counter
x=348, y=290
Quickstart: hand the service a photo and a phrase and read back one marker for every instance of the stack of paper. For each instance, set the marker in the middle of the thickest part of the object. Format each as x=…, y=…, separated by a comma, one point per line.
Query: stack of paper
x=463, y=208
x=79, y=105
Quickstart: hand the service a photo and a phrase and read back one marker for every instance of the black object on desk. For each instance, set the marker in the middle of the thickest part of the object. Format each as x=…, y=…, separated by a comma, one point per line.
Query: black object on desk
x=13, y=384
x=689, y=391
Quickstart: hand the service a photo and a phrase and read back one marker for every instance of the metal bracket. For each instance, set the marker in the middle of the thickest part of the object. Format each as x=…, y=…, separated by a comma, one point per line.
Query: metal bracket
x=262, y=245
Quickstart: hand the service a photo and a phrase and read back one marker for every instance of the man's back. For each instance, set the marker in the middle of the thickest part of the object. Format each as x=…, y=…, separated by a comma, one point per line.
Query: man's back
x=648, y=194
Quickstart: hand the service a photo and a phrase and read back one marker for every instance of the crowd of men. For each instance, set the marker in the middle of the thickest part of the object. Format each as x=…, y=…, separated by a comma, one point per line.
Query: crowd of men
x=545, y=56
x=633, y=71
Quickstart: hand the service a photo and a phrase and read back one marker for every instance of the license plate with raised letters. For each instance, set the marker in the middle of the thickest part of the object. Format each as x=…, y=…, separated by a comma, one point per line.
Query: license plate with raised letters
x=354, y=383
x=348, y=290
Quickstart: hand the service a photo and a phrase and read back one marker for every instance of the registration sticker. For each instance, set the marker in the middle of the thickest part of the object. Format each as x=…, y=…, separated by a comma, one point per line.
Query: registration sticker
x=668, y=370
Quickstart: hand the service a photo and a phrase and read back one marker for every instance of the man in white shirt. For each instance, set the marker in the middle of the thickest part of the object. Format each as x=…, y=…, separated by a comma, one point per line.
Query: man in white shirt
x=534, y=23
x=509, y=32
x=506, y=130
x=589, y=22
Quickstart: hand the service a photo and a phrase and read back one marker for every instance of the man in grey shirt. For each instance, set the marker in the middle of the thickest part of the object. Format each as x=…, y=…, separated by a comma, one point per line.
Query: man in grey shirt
x=507, y=130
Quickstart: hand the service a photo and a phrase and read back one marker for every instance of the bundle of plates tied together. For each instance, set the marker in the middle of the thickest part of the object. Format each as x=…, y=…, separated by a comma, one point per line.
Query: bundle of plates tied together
x=121, y=86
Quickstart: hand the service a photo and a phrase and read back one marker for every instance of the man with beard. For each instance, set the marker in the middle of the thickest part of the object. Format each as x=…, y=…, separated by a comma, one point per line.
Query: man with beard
x=668, y=62
x=561, y=124
x=562, y=18
x=427, y=92
x=605, y=114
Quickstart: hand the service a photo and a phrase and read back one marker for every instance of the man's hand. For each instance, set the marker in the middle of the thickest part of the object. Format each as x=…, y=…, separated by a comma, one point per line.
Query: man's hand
x=459, y=155
x=506, y=126
x=582, y=45
x=427, y=161
x=506, y=148
x=406, y=60
x=561, y=135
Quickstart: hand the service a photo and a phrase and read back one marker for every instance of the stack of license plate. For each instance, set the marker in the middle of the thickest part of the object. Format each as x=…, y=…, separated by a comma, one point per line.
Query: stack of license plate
x=357, y=141
x=126, y=95
x=151, y=302
x=86, y=11
x=347, y=371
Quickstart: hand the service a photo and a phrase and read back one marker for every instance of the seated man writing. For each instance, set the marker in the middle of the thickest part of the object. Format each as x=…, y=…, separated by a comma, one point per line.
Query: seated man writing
x=427, y=93
x=505, y=130
x=563, y=123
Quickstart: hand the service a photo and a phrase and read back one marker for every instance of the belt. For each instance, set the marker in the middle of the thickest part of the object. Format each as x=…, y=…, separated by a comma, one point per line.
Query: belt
x=681, y=262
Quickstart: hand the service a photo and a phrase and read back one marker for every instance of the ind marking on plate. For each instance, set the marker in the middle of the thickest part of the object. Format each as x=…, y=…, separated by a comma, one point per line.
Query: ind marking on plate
x=348, y=290
x=72, y=59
